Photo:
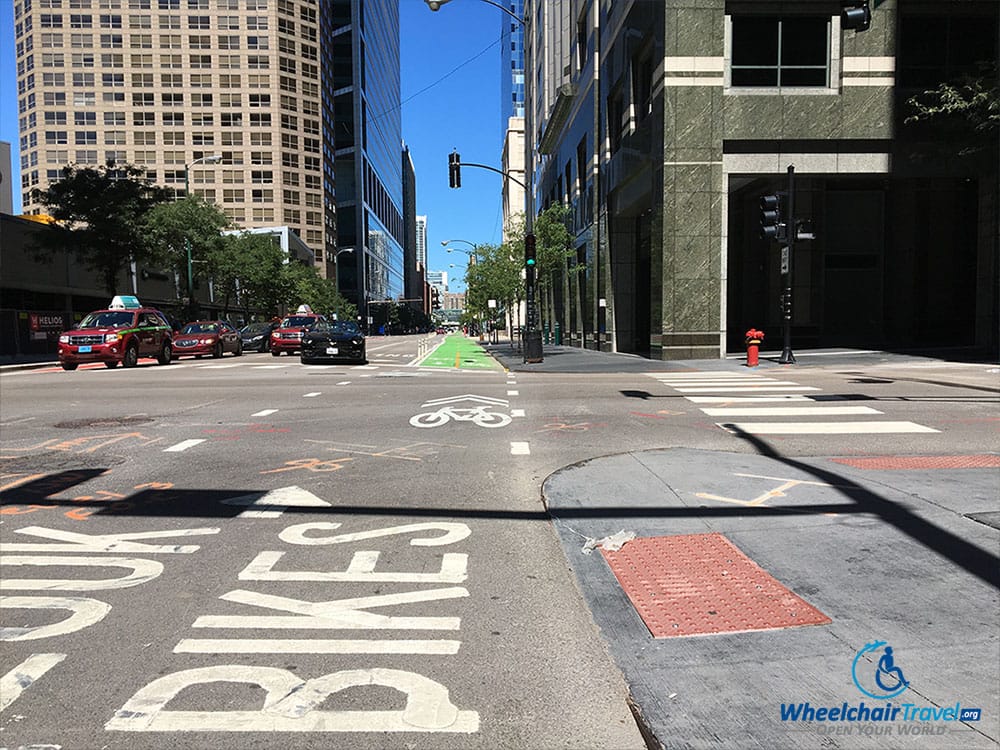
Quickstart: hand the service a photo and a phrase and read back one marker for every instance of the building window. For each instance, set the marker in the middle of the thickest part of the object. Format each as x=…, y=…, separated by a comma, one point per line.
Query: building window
x=780, y=52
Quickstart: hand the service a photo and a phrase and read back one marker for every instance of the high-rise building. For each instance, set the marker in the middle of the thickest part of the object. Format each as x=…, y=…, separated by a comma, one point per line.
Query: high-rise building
x=422, y=240
x=162, y=84
x=512, y=110
x=363, y=138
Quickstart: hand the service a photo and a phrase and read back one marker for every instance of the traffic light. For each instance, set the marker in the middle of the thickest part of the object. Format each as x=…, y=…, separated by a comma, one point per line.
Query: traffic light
x=529, y=256
x=771, y=225
x=855, y=14
x=435, y=298
x=454, y=170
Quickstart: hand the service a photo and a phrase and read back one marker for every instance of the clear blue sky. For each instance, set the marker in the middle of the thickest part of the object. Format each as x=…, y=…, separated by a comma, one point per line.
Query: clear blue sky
x=450, y=63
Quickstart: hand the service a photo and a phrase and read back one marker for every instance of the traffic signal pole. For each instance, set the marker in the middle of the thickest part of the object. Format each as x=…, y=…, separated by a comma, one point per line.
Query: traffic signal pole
x=791, y=229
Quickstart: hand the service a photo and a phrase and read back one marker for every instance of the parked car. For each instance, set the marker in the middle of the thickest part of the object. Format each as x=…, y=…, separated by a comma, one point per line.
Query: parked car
x=287, y=337
x=257, y=336
x=122, y=333
x=207, y=338
x=333, y=341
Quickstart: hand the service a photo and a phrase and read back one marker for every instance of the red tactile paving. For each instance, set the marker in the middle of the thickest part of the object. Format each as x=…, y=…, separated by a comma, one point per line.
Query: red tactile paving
x=700, y=584
x=982, y=461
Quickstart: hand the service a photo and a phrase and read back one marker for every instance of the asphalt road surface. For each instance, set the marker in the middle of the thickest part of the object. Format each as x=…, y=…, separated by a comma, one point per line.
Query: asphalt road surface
x=249, y=552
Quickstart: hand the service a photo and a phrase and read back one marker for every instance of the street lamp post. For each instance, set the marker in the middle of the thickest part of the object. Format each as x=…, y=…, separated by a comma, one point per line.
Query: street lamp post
x=533, y=340
x=213, y=159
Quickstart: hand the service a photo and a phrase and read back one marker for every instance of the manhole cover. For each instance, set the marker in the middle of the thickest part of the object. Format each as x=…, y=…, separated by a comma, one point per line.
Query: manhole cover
x=76, y=424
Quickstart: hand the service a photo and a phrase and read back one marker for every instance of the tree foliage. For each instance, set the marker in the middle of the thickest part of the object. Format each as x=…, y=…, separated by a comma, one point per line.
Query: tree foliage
x=99, y=215
x=302, y=285
x=972, y=101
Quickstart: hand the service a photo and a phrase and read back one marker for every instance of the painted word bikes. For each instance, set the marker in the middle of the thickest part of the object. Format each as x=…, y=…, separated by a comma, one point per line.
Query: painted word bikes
x=291, y=703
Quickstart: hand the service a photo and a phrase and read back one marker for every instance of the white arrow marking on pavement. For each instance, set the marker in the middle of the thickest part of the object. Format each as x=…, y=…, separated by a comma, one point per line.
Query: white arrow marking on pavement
x=273, y=503
x=24, y=675
x=183, y=446
x=467, y=397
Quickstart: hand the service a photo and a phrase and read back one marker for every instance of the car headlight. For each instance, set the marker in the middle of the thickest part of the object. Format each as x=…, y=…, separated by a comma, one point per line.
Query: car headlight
x=64, y=339
x=255, y=338
x=356, y=342
x=110, y=338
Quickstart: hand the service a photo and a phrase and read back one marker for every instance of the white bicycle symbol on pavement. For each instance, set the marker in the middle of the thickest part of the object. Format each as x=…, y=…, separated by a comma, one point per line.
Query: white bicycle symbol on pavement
x=478, y=415
x=447, y=410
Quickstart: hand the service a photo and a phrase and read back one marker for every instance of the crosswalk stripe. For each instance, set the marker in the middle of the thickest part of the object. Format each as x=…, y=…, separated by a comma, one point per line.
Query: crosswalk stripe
x=745, y=388
x=787, y=411
x=769, y=398
x=823, y=428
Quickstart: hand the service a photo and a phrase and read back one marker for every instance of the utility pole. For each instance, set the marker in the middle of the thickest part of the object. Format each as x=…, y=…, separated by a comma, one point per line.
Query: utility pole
x=791, y=229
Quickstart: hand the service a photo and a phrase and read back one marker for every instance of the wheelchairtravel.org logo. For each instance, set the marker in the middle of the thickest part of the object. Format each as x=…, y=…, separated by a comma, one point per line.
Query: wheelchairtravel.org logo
x=878, y=677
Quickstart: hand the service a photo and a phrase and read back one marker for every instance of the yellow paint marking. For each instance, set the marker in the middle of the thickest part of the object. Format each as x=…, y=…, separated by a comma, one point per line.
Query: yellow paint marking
x=457, y=359
x=779, y=491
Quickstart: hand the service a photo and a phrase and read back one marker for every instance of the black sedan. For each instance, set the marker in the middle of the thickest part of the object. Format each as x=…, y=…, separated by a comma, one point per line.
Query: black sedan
x=257, y=336
x=332, y=341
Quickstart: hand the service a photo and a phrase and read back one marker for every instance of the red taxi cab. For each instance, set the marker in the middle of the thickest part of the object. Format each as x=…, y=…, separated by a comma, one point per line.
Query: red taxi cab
x=287, y=337
x=122, y=333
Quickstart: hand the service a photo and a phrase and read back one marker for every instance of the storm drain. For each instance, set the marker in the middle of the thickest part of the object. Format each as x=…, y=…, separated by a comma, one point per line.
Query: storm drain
x=702, y=584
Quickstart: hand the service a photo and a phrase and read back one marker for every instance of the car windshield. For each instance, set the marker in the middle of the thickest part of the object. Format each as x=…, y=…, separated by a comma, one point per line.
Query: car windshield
x=298, y=321
x=201, y=328
x=108, y=319
x=345, y=326
x=255, y=328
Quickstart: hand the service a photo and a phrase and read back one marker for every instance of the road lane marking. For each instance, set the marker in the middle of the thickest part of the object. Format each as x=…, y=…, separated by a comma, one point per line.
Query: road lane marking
x=24, y=675
x=512, y=393
x=309, y=646
x=823, y=428
x=745, y=388
x=517, y=412
x=788, y=411
x=519, y=449
x=264, y=413
x=183, y=445
x=344, y=382
x=748, y=399
x=311, y=395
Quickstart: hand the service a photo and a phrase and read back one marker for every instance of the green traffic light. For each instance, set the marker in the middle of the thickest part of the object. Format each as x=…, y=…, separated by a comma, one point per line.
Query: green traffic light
x=531, y=261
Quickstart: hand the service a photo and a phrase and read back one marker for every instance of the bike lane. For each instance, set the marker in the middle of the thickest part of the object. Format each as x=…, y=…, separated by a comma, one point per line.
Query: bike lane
x=458, y=351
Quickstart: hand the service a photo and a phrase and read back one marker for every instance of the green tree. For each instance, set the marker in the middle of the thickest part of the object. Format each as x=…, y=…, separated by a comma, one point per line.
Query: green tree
x=972, y=102
x=99, y=215
x=304, y=286
x=248, y=270
x=496, y=275
x=189, y=225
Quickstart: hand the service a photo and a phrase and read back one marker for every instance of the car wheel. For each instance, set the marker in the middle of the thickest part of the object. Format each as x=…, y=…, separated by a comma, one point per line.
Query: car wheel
x=217, y=351
x=165, y=354
x=69, y=365
x=265, y=345
x=304, y=360
x=112, y=364
x=131, y=358
x=239, y=348
x=275, y=354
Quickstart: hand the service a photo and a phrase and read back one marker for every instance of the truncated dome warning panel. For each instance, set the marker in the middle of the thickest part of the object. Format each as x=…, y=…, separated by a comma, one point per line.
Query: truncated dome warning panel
x=701, y=584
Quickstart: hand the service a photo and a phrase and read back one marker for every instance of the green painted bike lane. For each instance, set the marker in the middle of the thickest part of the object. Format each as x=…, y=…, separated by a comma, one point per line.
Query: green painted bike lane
x=460, y=352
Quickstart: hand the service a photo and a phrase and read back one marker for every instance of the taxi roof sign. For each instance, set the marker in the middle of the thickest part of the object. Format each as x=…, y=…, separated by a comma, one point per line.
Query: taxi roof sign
x=124, y=302
x=304, y=310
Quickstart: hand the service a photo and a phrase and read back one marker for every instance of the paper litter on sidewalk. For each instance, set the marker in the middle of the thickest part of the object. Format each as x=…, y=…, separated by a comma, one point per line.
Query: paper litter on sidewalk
x=611, y=543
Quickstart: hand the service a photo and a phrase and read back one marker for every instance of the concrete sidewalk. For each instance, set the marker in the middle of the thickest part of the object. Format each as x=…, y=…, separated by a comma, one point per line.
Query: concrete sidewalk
x=881, y=552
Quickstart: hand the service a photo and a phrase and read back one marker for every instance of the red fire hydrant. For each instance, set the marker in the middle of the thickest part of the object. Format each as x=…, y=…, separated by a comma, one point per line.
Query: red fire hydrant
x=753, y=339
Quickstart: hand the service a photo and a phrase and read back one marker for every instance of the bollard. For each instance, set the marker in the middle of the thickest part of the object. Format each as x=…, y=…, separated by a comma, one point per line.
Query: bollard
x=753, y=339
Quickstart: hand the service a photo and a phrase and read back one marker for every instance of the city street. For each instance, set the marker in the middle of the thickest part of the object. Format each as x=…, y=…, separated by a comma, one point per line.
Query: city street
x=249, y=552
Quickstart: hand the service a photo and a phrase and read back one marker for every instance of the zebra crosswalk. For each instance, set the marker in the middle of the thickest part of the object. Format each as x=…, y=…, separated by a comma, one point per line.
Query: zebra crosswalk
x=763, y=404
